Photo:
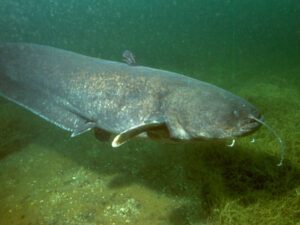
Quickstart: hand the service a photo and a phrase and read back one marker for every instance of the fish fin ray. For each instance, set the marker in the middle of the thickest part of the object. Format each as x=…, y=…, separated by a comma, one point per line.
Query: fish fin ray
x=134, y=131
x=85, y=128
x=41, y=104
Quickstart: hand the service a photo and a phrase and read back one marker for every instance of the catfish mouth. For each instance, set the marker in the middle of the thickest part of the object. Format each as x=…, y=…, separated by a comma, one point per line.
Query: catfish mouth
x=250, y=125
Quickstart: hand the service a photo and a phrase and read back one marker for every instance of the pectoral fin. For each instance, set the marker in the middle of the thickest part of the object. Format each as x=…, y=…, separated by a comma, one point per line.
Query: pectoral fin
x=135, y=131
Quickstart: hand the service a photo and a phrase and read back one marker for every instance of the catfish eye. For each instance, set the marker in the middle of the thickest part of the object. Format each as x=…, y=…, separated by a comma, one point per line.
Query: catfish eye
x=236, y=113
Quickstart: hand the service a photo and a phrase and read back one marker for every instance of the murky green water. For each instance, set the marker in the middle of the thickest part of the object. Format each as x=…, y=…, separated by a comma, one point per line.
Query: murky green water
x=251, y=48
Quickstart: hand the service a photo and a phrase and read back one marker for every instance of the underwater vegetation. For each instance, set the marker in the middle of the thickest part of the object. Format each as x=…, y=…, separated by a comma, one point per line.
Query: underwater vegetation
x=47, y=178
x=247, y=47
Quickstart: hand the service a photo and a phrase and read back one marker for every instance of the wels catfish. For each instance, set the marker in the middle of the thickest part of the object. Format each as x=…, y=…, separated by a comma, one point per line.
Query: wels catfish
x=79, y=93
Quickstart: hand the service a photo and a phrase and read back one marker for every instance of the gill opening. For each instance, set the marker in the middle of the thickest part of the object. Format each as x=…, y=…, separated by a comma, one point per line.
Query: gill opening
x=282, y=148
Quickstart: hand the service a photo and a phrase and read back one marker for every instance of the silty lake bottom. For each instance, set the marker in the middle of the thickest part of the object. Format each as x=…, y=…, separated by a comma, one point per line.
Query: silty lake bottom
x=49, y=178
x=250, y=48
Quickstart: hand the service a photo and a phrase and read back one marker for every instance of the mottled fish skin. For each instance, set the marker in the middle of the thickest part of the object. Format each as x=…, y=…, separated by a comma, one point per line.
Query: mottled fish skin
x=78, y=93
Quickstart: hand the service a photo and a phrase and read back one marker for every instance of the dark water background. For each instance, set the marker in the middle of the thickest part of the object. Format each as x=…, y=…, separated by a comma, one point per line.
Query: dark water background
x=249, y=47
x=187, y=34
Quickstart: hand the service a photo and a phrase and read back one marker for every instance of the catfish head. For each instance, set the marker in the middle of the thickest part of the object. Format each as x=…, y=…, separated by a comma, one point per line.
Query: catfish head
x=208, y=112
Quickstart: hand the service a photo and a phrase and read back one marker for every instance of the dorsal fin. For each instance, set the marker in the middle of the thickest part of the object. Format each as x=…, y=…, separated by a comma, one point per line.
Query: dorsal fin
x=129, y=58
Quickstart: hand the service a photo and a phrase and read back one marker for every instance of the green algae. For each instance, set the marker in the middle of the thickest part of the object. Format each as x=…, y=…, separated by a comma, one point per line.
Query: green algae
x=52, y=179
x=248, y=47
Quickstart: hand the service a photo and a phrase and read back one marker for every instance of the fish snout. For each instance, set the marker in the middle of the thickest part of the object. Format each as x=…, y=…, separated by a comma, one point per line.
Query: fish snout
x=251, y=123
